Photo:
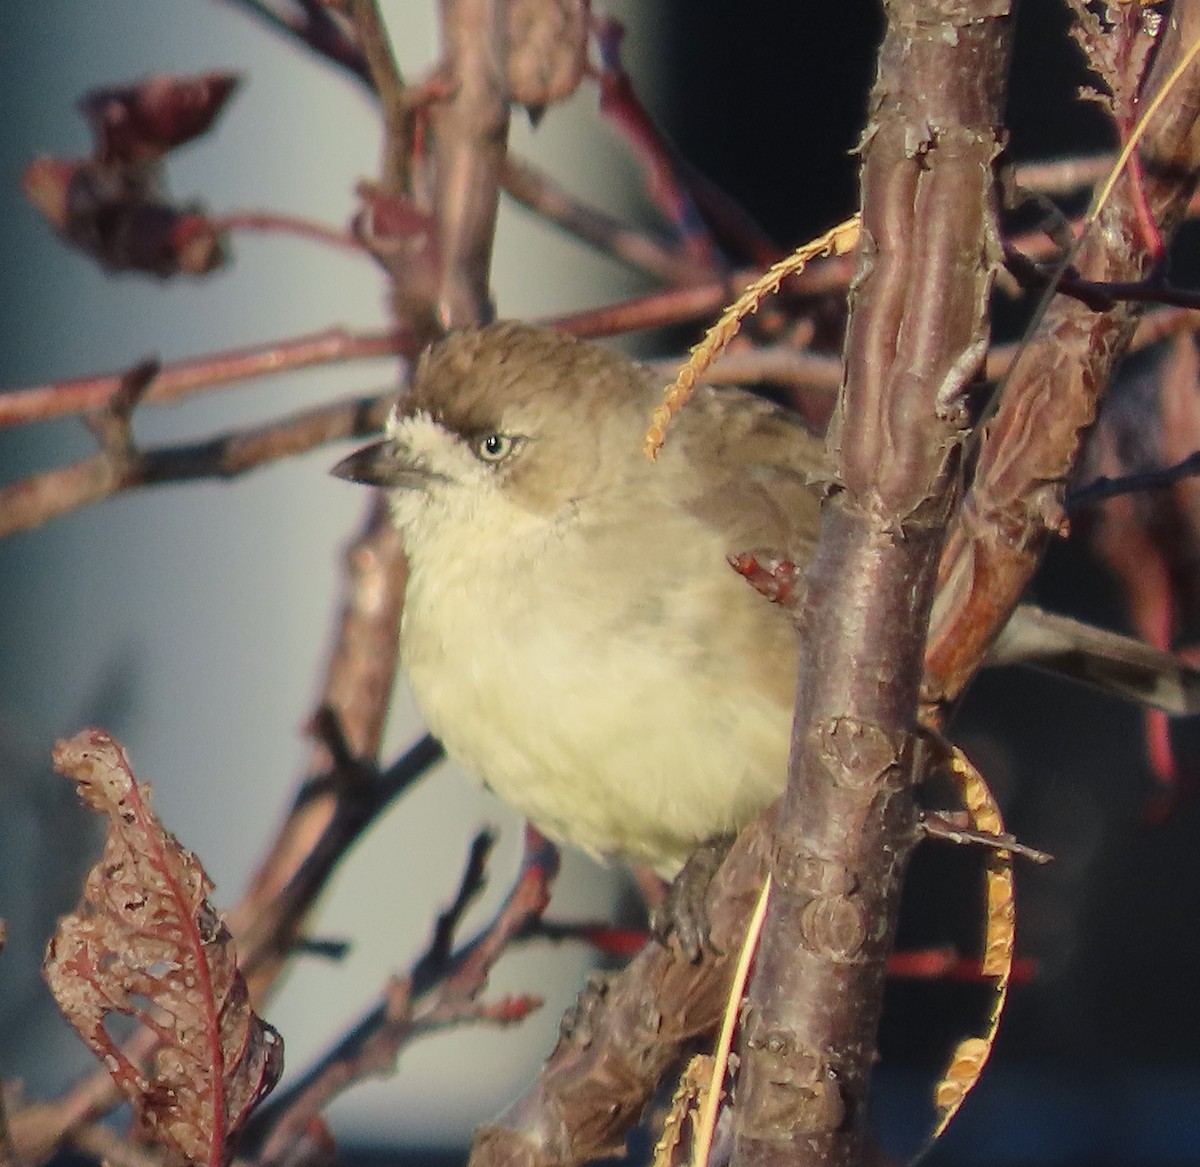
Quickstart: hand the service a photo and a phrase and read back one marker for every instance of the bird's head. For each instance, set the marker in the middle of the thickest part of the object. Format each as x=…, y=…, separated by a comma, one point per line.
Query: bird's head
x=508, y=420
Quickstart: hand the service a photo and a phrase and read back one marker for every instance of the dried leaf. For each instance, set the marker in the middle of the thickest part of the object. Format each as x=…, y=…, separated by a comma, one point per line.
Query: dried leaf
x=143, y=120
x=1116, y=40
x=546, y=43
x=671, y=1148
x=145, y=942
x=121, y=219
x=971, y=1054
x=113, y=205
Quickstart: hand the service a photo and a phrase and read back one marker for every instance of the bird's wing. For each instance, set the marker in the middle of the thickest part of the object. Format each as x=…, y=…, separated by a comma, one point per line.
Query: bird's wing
x=766, y=501
x=765, y=464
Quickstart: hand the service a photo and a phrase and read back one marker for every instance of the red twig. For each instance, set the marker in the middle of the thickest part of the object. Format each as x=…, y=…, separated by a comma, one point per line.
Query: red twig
x=197, y=374
x=277, y=222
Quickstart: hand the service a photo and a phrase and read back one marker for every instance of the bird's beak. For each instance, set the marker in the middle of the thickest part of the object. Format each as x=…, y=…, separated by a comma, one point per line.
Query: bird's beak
x=381, y=464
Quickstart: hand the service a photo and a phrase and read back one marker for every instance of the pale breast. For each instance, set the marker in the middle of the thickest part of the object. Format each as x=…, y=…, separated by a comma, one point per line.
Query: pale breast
x=613, y=694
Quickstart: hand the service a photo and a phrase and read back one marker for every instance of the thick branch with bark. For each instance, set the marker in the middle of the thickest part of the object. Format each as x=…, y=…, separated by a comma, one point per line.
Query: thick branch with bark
x=626, y=1032
x=917, y=336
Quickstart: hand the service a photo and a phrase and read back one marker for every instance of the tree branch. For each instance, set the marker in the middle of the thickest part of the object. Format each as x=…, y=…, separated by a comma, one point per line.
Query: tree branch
x=470, y=132
x=37, y=499
x=197, y=374
x=389, y=88
x=1015, y=502
x=442, y=989
x=916, y=339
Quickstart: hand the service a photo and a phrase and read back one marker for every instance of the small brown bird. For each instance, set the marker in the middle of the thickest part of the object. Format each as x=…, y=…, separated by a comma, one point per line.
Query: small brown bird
x=572, y=629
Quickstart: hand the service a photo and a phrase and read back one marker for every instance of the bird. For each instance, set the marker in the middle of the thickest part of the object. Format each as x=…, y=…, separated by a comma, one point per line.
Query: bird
x=572, y=630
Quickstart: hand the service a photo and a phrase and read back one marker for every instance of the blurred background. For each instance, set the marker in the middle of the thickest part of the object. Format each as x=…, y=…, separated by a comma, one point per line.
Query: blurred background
x=192, y=621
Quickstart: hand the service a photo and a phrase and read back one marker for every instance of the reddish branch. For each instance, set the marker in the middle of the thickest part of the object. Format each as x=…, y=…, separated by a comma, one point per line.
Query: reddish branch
x=916, y=338
x=182, y=378
x=542, y=195
x=376, y=49
x=470, y=133
x=275, y=222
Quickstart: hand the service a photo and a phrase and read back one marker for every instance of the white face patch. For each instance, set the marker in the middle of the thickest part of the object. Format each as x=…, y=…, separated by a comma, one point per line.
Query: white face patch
x=463, y=505
x=429, y=445
x=453, y=471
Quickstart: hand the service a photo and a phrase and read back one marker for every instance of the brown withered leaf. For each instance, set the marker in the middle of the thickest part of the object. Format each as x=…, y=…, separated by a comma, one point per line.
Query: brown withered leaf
x=120, y=217
x=546, y=43
x=971, y=1054
x=1116, y=40
x=145, y=942
x=144, y=119
x=114, y=205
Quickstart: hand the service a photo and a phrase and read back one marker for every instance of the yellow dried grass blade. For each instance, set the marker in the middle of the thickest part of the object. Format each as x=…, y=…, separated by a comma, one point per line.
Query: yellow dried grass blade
x=710, y=1099
x=836, y=241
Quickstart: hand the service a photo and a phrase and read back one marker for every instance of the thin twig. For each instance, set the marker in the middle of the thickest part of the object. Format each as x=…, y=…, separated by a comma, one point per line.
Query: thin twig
x=539, y=193
x=275, y=920
x=1104, y=487
x=389, y=87
x=664, y=179
x=1099, y=295
x=1063, y=175
x=443, y=989
x=276, y=222
x=32, y=501
x=947, y=828
x=314, y=26
x=197, y=374
x=474, y=879
x=773, y=364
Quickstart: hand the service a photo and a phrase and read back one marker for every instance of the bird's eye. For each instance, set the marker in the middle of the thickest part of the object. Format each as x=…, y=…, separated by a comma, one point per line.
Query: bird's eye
x=495, y=447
